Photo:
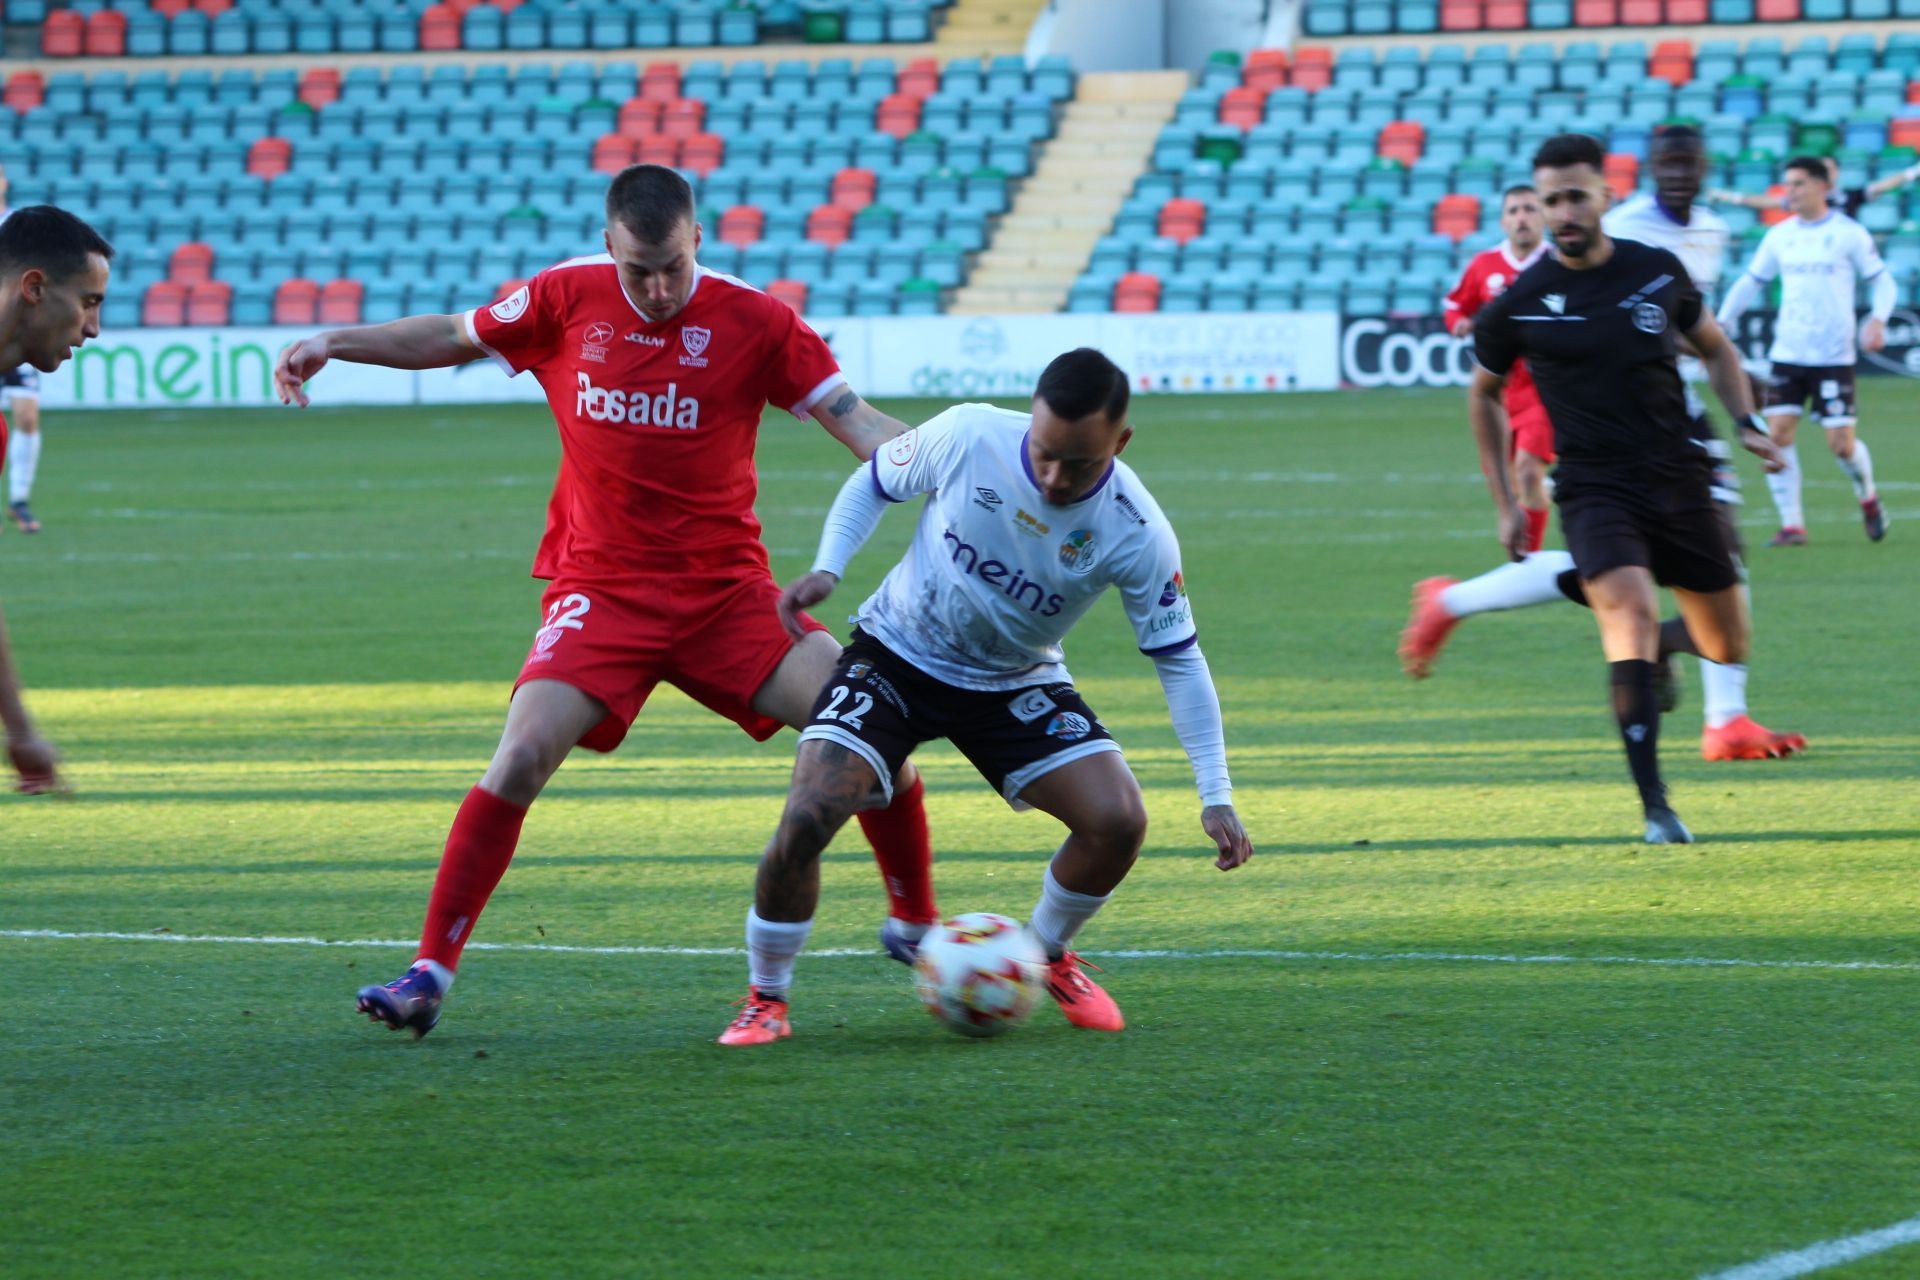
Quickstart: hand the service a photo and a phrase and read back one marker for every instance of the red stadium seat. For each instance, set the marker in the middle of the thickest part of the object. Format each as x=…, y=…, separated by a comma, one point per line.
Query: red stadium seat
x=898, y=114
x=658, y=149
x=1243, y=108
x=1460, y=15
x=1596, y=13
x=1642, y=13
x=106, y=34
x=1265, y=69
x=269, y=157
x=63, y=34
x=703, y=153
x=919, y=79
x=25, y=90
x=639, y=117
x=1509, y=15
x=1913, y=90
x=507, y=6
x=1622, y=173
x=1137, y=291
x=440, y=27
x=743, y=224
x=319, y=87
x=165, y=304
x=828, y=225
x=1687, y=13
x=1457, y=216
x=612, y=153
x=210, y=303
x=683, y=117
x=660, y=82
x=170, y=8
x=1776, y=11
x=191, y=263
x=1402, y=140
x=853, y=189
x=1182, y=219
x=1672, y=60
x=791, y=292
x=296, y=302
x=212, y=8
x=1903, y=133
x=340, y=302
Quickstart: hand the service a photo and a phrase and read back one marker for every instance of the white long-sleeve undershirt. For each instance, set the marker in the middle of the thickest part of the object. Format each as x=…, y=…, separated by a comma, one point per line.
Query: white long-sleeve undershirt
x=1195, y=707
x=851, y=520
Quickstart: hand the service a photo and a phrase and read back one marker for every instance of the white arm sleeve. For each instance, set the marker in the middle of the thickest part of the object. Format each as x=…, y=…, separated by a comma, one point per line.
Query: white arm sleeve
x=1886, y=292
x=851, y=520
x=1737, y=298
x=1195, y=708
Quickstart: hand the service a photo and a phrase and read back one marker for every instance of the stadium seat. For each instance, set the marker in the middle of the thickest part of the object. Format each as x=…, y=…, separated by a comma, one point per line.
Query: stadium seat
x=742, y=225
x=165, y=304
x=190, y=264
x=1137, y=291
x=1457, y=216
x=1182, y=219
x=340, y=302
x=269, y=157
x=209, y=303
x=296, y=301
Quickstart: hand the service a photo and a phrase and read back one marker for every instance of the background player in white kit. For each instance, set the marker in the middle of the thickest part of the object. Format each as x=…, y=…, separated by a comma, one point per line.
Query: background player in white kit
x=1030, y=519
x=20, y=402
x=1669, y=217
x=1819, y=255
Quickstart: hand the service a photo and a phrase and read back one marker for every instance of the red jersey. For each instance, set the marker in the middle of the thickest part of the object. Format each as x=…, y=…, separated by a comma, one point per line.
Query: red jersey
x=657, y=421
x=1485, y=279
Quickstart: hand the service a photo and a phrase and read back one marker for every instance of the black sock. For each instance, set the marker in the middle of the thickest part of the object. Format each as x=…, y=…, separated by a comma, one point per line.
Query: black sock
x=1675, y=638
x=1639, y=717
x=1569, y=584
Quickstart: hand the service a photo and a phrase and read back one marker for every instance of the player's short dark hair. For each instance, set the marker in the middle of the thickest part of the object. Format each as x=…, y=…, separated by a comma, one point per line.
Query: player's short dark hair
x=649, y=200
x=1081, y=382
x=1813, y=167
x=41, y=237
x=1564, y=150
x=1517, y=189
x=1678, y=136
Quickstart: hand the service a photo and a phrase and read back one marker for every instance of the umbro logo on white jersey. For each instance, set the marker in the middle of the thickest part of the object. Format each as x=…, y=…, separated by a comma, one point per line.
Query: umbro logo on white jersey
x=1556, y=303
x=987, y=499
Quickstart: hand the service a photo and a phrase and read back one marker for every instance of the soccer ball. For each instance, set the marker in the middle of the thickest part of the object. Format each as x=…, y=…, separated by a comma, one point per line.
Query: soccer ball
x=980, y=973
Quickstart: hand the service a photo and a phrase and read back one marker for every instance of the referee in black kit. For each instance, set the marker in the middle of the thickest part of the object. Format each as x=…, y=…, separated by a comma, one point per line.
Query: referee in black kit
x=1600, y=323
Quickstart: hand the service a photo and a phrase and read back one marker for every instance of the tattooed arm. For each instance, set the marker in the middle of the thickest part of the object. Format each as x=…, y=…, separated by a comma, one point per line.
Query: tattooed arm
x=855, y=423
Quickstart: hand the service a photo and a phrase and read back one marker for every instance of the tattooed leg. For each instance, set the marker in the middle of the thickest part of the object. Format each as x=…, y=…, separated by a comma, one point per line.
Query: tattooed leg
x=830, y=784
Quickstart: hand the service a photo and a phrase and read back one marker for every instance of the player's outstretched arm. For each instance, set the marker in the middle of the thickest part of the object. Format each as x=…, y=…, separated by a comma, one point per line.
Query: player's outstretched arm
x=855, y=423
x=411, y=342
x=1893, y=181
x=33, y=757
x=1194, y=705
x=1734, y=389
x=1488, y=415
x=851, y=520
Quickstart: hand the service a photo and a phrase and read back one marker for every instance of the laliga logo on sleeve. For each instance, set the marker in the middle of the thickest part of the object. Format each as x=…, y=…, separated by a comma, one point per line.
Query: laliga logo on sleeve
x=1175, y=588
x=513, y=306
x=695, y=340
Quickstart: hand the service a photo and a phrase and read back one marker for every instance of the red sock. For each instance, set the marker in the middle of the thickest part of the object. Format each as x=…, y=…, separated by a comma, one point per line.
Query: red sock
x=898, y=834
x=1536, y=527
x=479, y=848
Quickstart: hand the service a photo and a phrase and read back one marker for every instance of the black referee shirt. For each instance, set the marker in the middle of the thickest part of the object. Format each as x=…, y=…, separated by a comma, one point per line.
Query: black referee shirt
x=1602, y=345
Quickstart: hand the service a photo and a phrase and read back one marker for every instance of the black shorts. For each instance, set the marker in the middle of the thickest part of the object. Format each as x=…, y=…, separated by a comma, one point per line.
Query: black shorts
x=1668, y=524
x=880, y=707
x=24, y=380
x=1829, y=387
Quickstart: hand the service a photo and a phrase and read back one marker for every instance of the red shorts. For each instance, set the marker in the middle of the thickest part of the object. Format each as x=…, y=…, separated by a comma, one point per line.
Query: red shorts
x=1532, y=431
x=710, y=631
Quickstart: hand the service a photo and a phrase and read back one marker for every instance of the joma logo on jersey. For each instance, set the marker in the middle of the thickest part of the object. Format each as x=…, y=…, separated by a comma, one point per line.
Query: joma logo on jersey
x=1004, y=578
x=666, y=409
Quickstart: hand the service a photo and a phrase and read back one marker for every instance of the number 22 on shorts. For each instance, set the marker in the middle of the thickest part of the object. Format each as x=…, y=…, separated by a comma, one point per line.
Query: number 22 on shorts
x=855, y=716
x=563, y=615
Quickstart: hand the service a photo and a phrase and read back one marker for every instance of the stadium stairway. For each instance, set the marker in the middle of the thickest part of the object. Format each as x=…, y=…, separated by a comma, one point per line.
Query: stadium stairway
x=975, y=27
x=1561, y=37
x=1081, y=179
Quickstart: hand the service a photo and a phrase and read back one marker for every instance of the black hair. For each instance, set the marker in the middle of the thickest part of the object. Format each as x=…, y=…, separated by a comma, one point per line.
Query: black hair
x=1677, y=136
x=650, y=200
x=1564, y=150
x=1081, y=382
x=1813, y=167
x=41, y=237
x=1517, y=189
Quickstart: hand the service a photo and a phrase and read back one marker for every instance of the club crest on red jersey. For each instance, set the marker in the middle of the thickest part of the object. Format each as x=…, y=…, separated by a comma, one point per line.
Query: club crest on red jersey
x=695, y=340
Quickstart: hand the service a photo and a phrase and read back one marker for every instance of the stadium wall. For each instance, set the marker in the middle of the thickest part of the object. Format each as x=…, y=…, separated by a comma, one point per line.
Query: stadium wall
x=948, y=357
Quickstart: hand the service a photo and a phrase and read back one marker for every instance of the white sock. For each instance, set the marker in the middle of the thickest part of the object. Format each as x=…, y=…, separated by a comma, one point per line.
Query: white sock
x=441, y=974
x=23, y=459
x=1723, y=690
x=1859, y=469
x=1060, y=913
x=1534, y=580
x=772, y=947
x=1785, y=487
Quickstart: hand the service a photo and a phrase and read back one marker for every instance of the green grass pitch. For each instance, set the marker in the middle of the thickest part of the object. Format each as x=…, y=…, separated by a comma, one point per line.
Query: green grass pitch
x=275, y=649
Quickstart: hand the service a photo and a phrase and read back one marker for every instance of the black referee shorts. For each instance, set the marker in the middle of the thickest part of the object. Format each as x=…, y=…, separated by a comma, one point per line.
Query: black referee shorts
x=1667, y=524
x=880, y=707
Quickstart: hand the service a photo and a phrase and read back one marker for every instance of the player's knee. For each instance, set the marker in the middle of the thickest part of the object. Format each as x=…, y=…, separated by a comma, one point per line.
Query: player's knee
x=811, y=820
x=523, y=765
x=1120, y=828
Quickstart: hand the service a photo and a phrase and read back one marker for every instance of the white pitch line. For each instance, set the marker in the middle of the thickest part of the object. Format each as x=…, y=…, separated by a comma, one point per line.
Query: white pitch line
x=1828, y=1253
x=1224, y=953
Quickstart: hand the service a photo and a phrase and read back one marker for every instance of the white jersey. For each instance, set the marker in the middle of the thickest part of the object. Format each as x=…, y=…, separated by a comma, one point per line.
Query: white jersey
x=995, y=577
x=1819, y=264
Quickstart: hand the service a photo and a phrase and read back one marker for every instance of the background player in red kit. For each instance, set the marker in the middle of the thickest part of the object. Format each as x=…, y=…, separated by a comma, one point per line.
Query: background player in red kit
x=1485, y=279
x=657, y=372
